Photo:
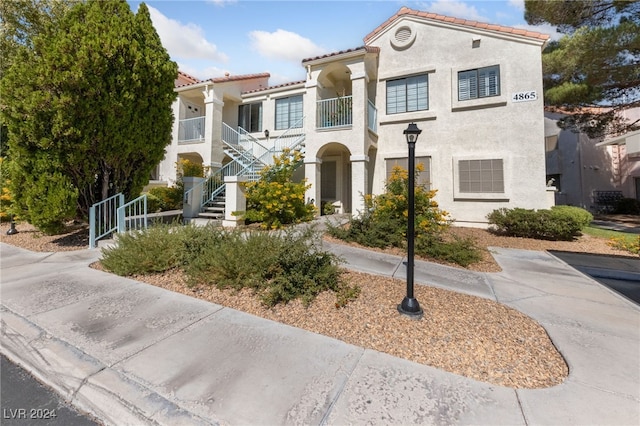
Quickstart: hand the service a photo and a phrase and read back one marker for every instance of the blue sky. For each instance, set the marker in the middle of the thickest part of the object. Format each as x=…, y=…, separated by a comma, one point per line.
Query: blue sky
x=208, y=38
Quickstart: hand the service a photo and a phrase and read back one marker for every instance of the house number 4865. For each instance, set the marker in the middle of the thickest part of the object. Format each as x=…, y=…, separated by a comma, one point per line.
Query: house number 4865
x=524, y=96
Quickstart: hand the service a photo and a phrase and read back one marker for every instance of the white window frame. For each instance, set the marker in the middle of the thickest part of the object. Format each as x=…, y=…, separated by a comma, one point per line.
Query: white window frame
x=292, y=118
x=479, y=102
x=505, y=195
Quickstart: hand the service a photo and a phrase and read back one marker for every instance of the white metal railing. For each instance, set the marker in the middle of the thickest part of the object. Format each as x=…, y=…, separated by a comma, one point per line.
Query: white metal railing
x=133, y=215
x=103, y=218
x=335, y=112
x=372, y=117
x=292, y=138
x=191, y=129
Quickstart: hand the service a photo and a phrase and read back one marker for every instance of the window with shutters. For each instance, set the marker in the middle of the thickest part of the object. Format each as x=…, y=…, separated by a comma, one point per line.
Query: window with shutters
x=408, y=94
x=288, y=112
x=479, y=83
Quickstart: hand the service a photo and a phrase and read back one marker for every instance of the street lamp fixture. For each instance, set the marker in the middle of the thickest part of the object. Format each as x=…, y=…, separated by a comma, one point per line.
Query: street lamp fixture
x=410, y=305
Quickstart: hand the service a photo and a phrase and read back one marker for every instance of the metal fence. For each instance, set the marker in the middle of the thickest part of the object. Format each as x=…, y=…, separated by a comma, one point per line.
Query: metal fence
x=103, y=219
x=133, y=215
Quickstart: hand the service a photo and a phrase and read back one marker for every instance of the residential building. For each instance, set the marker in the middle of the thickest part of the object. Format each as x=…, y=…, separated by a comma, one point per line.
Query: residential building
x=474, y=89
x=591, y=173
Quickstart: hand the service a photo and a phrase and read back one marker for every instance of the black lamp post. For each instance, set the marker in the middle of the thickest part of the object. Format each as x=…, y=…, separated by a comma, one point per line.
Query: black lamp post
x=410, y=305
x=12, y=230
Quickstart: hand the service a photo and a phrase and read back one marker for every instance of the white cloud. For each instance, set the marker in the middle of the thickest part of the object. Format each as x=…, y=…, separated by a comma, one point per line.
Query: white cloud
x=456, y=9
x=184, y=41
x=517, y=4
x=222, y=3
x=284, y=45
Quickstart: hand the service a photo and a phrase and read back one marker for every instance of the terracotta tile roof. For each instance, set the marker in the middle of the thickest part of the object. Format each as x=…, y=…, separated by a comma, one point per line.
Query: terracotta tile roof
x=228, y=77
x=224, y=79
x=262, y=89
x=474, y=24
x=183, y=79
x=367, y=49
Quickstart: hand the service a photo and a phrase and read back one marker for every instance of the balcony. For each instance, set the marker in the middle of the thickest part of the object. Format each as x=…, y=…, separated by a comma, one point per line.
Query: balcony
x=336, y=112
x=191, y=130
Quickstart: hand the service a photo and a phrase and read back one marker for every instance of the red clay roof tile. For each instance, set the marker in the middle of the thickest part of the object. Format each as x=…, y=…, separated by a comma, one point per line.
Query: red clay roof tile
x=473, y=24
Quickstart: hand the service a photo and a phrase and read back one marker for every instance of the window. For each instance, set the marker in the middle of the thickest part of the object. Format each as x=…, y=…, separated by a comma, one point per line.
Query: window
x=479, y=83
x=481, y=176
x=422, y=178
x=408, y=94
x=250, y=117
x=289, y=112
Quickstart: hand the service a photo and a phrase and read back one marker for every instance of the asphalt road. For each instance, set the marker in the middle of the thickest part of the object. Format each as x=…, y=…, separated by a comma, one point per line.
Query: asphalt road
x=621, y=275
x=25, y=401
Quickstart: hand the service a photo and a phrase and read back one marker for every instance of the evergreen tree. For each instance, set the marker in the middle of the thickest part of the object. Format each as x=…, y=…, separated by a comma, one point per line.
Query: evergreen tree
x=88, y=106
x=594, y=69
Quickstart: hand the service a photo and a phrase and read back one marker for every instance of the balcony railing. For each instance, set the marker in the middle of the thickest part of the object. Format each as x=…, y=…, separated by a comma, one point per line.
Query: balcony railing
x=336, y=112
x=191, y=130
x=372, y=117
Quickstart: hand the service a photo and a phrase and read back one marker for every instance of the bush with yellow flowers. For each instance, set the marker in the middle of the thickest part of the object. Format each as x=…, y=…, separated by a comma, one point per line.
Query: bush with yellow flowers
x=275, y=200
x=384, y=223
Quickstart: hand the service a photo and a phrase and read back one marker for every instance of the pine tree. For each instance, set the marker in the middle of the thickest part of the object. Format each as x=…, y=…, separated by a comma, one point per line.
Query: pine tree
x=594, y=69
x=88, y=108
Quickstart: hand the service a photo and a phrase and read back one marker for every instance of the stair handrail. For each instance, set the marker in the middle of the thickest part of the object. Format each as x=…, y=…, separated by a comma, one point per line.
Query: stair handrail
x=295, y=132
x=214, y=184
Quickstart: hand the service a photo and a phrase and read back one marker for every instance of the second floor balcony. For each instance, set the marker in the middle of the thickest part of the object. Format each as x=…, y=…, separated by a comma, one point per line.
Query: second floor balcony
x=337, y=113
x=191, y=130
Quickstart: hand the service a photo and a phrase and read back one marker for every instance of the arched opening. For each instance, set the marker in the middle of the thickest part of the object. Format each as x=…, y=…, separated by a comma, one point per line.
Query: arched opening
x=335, y=178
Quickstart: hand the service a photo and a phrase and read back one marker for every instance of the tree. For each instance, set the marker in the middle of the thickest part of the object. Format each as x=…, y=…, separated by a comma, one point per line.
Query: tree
x=593, y=71
x=87, y=102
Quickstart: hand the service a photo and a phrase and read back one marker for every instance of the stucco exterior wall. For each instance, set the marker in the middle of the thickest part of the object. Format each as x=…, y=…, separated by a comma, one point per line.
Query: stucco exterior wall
x=489, y=128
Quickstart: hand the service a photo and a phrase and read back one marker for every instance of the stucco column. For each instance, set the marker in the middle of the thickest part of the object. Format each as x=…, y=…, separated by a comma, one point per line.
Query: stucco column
x=312, y=174
x=191, y=203
x=235, y=200
x=359, y=180
x=360, y=102
x=213, y=128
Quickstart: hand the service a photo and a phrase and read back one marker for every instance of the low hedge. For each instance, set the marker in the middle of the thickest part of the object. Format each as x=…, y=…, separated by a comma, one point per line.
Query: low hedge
x=559, y=223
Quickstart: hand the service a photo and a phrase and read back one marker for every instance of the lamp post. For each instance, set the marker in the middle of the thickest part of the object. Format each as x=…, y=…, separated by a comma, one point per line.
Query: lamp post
x=12, y=230
x=410, y=305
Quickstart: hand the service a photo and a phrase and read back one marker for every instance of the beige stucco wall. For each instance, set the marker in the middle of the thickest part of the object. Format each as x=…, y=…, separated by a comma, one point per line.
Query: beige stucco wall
x=490, y=128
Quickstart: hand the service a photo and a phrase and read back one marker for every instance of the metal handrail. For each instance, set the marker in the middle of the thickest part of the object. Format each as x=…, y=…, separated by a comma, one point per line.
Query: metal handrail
x=103, y=218
x=133, y=215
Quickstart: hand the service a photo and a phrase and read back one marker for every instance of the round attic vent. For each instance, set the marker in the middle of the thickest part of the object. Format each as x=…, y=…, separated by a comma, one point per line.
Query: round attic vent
x=403, y=38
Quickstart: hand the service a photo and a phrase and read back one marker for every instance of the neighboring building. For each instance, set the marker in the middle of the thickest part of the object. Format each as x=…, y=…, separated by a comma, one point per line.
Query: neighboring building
x=587, y=172
x=474, y=89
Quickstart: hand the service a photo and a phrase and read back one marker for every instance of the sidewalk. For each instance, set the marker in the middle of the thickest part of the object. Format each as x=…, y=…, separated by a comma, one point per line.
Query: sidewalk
x=132, y=353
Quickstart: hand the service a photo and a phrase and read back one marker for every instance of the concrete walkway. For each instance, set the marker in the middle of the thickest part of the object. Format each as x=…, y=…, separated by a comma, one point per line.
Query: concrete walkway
x=134, y=354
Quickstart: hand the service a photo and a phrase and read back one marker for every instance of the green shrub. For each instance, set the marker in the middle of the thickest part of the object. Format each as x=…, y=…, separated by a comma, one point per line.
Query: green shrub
x=274, y=200
x=168, y=198
x=562, y=223
x=582, y=217
x=627, y=206
x=384, y=224
x=279, y=267
x=154, y=204
x=156, y=249
x=461, y=251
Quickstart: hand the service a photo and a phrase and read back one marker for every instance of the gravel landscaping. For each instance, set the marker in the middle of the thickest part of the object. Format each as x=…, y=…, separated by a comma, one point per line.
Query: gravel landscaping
x=462, y=334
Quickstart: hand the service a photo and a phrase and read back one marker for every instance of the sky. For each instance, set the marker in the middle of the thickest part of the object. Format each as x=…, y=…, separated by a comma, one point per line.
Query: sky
x=208, y=38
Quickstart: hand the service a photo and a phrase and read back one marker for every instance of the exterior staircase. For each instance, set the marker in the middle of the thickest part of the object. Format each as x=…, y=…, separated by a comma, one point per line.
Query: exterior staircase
x=248, y=157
